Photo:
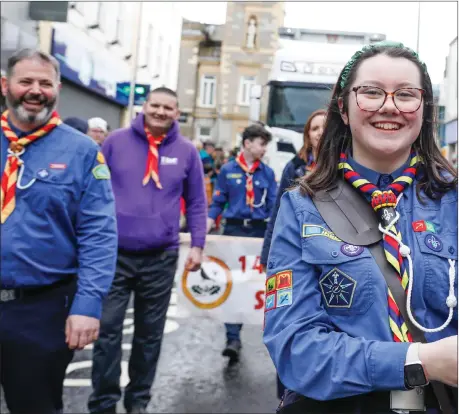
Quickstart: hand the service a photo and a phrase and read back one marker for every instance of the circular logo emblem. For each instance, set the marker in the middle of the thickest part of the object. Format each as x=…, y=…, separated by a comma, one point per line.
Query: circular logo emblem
x=433, y=242
x=351, y=250
x=210, y=286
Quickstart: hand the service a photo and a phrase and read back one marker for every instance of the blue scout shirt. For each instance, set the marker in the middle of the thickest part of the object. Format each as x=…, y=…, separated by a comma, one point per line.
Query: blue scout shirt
x=231, y=190
x=64, y=223
x=327, y=328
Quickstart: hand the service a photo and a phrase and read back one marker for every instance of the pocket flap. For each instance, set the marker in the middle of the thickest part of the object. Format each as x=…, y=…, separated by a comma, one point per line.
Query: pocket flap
x=54, y=176
x=321, y=246
x=442, y=245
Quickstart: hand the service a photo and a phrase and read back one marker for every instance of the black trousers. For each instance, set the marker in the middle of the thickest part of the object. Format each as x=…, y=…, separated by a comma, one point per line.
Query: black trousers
x=150, y=277
x=33, y=352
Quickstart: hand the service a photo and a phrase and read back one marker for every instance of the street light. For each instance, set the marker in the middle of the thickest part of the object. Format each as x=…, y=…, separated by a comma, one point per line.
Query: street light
x=419, y=25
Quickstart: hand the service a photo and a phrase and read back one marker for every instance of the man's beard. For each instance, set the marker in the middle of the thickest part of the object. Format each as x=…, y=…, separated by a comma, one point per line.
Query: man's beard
x=22, y=115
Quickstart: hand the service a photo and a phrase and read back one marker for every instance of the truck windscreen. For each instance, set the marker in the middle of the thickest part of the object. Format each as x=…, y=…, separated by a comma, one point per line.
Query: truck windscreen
x=290, y=105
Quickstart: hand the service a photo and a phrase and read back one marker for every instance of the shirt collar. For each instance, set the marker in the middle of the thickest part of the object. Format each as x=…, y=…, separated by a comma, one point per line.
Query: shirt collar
x=19, y=132
x=374, y=177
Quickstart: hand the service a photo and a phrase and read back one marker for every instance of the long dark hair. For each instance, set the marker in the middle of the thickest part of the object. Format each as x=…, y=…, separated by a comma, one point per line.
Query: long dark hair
x=336, y=137
x=307, y=147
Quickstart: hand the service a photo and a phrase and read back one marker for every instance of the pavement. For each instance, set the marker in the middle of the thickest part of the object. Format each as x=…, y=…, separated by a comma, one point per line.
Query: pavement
x=192, y=376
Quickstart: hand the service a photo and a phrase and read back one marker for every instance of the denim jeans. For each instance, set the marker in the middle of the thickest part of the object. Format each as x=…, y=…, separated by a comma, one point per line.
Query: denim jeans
x=150, y=278
x=233, y=331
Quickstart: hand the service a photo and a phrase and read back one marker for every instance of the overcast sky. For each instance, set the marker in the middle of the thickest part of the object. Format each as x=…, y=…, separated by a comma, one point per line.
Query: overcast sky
x=397, y=20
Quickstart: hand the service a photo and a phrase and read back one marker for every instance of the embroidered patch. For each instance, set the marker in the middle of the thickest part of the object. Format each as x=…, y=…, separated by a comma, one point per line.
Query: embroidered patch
x=169, y=161
x=271, y=284
x=311, y=230
x=351, y=250
x=433, y=242
x=284, y=279
x=430, y=227
x=57, y=166
x=100, y=158
x=284, y=298
x=270, y=302
x=43, y=173
x=101, y=172
x=234, y=175
x=419, y=226
x=338, y=289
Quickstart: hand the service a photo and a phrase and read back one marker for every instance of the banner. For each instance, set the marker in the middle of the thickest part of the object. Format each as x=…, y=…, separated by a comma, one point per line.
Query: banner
x=229, y=287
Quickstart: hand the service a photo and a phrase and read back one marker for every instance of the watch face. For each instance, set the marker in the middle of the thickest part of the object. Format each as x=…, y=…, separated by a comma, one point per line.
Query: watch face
x=414, y=375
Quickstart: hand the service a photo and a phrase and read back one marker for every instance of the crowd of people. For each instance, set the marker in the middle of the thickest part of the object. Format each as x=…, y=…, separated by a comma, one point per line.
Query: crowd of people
x=362, y=230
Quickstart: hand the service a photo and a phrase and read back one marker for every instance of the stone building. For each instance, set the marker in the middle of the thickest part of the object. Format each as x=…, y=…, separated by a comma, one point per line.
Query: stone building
x=219, y=64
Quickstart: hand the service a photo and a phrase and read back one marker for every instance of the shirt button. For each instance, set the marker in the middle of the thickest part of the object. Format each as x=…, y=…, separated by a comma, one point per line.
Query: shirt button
x=451, y=249
x=334, y=253
x=385, y=180
x=270, y=265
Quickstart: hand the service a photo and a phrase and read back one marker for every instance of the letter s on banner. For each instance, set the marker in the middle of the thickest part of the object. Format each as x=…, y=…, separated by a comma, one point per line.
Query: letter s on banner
x=260, y=298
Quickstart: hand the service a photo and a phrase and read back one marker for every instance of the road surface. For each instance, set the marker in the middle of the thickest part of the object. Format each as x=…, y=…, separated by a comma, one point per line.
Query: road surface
x=192, y=376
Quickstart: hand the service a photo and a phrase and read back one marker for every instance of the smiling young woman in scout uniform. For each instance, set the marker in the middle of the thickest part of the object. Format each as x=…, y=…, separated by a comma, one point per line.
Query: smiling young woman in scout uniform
x=361, y=293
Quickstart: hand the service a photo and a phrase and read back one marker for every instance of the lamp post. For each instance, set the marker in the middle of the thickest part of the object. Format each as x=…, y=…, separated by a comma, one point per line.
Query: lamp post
x=135, y=65
x=419, y=25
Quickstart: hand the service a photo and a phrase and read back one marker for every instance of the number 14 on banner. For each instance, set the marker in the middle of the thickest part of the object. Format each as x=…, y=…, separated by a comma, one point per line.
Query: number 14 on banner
x=251, y=263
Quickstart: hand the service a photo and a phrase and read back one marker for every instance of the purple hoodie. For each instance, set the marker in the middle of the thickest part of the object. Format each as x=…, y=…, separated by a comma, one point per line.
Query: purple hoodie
x=148, y=218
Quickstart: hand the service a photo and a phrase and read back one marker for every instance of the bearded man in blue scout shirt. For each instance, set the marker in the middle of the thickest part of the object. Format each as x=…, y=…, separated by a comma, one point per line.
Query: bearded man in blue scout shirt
x=58, y=237
x=248, y=188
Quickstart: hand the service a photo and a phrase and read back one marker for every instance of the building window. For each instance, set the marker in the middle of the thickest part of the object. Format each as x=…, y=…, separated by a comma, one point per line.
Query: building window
x=169, y=65
x=245, y=85
x=109, y=18
x=208, y=91
x=119, y=19
x=149, y=53
x=92, y=14
x=78, y=6
x=125, y=31
x=204, y=133
x=251, y=36
x=332, y=38
x=159, y=57
x=146, y=48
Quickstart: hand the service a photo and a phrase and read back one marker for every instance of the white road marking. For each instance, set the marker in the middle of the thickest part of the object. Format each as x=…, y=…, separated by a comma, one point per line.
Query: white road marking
x=170, y=327
x=86, y=382
x=128, y=329
x=124, y=347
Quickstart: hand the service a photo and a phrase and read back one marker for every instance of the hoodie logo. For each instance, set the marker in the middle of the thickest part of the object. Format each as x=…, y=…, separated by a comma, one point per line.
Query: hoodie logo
x=169, y=161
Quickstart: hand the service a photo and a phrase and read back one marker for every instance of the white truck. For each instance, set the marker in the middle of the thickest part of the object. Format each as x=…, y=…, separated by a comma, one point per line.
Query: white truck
x=301, y=81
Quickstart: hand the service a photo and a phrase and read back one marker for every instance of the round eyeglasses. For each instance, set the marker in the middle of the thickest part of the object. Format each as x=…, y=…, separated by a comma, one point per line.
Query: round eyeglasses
x=372, y=99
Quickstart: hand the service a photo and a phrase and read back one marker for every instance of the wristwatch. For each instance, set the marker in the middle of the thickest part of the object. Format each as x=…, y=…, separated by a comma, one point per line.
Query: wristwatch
x=415, y=375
